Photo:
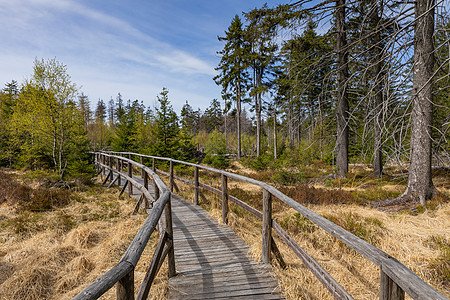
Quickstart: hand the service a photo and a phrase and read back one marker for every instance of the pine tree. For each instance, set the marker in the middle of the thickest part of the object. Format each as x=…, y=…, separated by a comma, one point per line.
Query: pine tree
x=233, y=77
x=166, y=127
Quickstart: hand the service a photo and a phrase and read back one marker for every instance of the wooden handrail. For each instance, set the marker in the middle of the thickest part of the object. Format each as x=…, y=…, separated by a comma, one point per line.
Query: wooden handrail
x=396, y=278
x=123, y=272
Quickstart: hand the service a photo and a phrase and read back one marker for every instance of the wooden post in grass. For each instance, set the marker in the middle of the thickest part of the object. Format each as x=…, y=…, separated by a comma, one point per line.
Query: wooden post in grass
x=130, y=174
x=266, y=227
x=224, y=199
x=389, y=290
x=153, y=165
x=196, y=185
x=125, y=287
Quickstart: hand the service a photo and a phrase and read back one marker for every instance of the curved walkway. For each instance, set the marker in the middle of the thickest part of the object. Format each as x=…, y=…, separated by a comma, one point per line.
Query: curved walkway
x=212, y=262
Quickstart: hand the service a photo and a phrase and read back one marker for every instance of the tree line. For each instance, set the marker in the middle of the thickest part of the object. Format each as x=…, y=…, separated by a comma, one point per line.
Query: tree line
x=47, y=123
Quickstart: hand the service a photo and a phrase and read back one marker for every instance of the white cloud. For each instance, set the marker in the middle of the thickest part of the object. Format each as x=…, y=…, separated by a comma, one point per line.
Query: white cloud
x=104, y=54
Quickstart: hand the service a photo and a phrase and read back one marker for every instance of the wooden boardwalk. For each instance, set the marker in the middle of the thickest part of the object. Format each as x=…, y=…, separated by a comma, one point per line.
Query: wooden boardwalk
x=212, y=262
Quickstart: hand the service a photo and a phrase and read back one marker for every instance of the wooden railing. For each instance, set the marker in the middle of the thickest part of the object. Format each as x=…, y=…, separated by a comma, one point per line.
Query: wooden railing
x=122, y=274
x=395, y=278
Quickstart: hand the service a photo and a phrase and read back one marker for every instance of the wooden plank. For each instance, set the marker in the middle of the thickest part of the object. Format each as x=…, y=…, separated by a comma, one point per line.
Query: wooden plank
x=232, y=293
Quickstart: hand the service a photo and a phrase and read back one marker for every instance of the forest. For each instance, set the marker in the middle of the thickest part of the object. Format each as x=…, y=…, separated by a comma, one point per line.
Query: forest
x=364, y=82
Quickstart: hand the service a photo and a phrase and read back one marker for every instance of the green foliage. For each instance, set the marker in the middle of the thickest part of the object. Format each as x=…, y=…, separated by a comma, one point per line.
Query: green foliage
x=216, y=161
x=216, y=150
x=42, y=122
x=259, y=163
x=167, y=129
x=213, y=118
x=287, y=177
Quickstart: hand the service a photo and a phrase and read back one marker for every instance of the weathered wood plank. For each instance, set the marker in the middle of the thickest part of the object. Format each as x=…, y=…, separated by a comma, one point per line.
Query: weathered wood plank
x=212, y=260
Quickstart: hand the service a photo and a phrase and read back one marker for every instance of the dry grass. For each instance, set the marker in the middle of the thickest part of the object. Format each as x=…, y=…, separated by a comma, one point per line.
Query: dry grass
x=50, y=261
x=421, y=242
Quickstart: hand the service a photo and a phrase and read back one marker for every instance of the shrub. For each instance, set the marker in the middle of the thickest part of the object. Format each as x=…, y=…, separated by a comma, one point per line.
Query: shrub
x=217, y=161
x=287, y=177
x=259, y=163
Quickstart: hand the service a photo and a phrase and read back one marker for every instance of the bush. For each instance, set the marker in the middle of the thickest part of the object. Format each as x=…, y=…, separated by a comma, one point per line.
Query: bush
x=259, y=163
x=216, y=150
x=287, y=177
x=216, y=161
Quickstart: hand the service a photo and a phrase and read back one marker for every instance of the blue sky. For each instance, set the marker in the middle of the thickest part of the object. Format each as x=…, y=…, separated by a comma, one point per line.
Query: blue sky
x=134, y=47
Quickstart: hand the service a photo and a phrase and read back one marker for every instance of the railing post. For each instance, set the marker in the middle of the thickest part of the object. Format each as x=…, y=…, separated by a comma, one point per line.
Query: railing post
x=196, y=186
x=160, y=221
x=119, y=169
x=224, y=199
x=266, y=226
x=111, y=176
x=169, y=231
x=142, y=170
x=153, y=165
x=130, y=174
x=103, y=162
x=171, y=177
x=125, y=287
x=389, y=290
x=146, y=187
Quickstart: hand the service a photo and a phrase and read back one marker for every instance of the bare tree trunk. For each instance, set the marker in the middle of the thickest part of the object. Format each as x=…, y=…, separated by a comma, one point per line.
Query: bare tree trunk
x=258, y=117
x=420, y=185
x=275, y=154
x=238, y=121
x=378, y=155
x=342, y=97
x=291, y=124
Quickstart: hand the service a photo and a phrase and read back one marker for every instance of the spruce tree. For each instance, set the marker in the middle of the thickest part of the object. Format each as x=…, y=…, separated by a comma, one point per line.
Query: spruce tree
x=233, y=77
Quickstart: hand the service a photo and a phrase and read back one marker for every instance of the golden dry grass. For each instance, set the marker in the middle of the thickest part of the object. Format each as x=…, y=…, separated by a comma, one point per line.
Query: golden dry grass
x=47, y=261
